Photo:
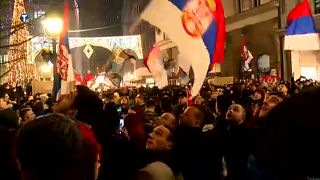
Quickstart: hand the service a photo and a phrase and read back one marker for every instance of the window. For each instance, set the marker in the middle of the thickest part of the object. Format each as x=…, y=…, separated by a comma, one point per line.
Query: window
x=3, y=58
x=263, y=2
x=245, y=5
x=316, y=6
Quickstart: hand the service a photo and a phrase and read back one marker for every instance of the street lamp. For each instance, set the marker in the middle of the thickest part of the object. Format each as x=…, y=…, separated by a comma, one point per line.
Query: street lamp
x=52, y=28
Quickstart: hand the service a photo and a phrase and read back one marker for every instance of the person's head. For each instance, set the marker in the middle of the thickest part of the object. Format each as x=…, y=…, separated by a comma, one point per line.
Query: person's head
x=183, y=98
x=222, y=104
x=197, y=116
x=258, y=95
x=254, y=87
x=160, y=139
x=55, y=147
x=139, y=100
x=198, y=100
x=236, y=114
x=124, y=101
x=150, y=105
x=6, y=97
x=270, y=102
x=283, y=89
x=290, y=131
x=166, y=119
x=134, y=124
x=26, y=114
x=64, y=105
x=88, y=105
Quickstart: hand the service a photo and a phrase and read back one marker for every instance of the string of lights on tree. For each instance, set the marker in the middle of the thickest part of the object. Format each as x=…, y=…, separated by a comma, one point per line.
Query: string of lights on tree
x=18, y=69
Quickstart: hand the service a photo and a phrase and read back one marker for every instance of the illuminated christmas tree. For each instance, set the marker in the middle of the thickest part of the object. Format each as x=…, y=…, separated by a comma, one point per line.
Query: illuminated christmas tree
x=17, y=68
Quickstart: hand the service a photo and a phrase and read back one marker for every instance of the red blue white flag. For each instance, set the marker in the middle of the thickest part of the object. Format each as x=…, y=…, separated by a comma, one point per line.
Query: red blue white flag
x=301, y=31
x=156, y=67
x=64, y=62
x=198, y=29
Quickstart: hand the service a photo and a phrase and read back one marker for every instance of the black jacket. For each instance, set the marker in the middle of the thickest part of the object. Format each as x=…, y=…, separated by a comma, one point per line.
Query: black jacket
x=198, y=153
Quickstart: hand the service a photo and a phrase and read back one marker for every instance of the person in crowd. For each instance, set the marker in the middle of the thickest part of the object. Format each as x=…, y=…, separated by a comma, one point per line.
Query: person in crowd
x=199, y=100
x=88, y=105
x=55, y=147
x=83, y=105
x=64, y=105
x=288, y=139
x=135, y=129
x=150, y=115
x=38, y=108
x=159, y=160
x=182, y=104
x=237, y=143
x=167, y=119
x=283, y=90
x=118, y=158
x=257, y=100
x=140, y=100
x=198, y=153
x=3, y=104
x=8, y=128
x=166, y=104
x=269, y=103
x=124, y=104
x=26, y=115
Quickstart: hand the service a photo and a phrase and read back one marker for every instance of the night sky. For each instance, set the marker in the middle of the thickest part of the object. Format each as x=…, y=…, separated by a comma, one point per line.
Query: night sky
x=93, y=14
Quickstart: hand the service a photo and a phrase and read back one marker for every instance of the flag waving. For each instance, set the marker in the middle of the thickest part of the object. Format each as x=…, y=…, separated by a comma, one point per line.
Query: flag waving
x=64, y=62
x=246, y=55
x=197, y=27
x=156, y=67
x=301, y=31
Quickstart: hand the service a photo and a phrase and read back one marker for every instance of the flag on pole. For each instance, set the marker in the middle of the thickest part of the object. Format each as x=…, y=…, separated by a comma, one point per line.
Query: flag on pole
x=76, y=13
x=64, y=61
x=197, y=27
x=301, y=31
x=156, y=67
x=246, y=55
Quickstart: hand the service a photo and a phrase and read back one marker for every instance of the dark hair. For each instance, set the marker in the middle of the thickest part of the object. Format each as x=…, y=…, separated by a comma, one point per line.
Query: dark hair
x=290, y=133
x=150, y=103
x=88, y=104
x=205, y=115
x=55, y=147
x=172, y=135
x=23, y=111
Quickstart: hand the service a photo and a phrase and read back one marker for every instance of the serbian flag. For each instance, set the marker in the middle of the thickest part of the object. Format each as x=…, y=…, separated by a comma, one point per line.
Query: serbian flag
x=156, y=67
x=64, y=61
x=301, y=31
x=197, y=27
x=246, y=55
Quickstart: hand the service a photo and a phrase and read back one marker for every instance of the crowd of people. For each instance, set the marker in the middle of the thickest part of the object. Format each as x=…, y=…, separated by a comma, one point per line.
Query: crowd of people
x=240, y=131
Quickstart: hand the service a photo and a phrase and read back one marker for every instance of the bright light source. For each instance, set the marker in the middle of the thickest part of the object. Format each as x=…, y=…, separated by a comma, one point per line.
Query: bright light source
x=52, y=26
x=46, y=68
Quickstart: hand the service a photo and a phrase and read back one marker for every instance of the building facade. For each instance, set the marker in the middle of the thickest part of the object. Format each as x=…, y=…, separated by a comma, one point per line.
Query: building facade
x=263, y=23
